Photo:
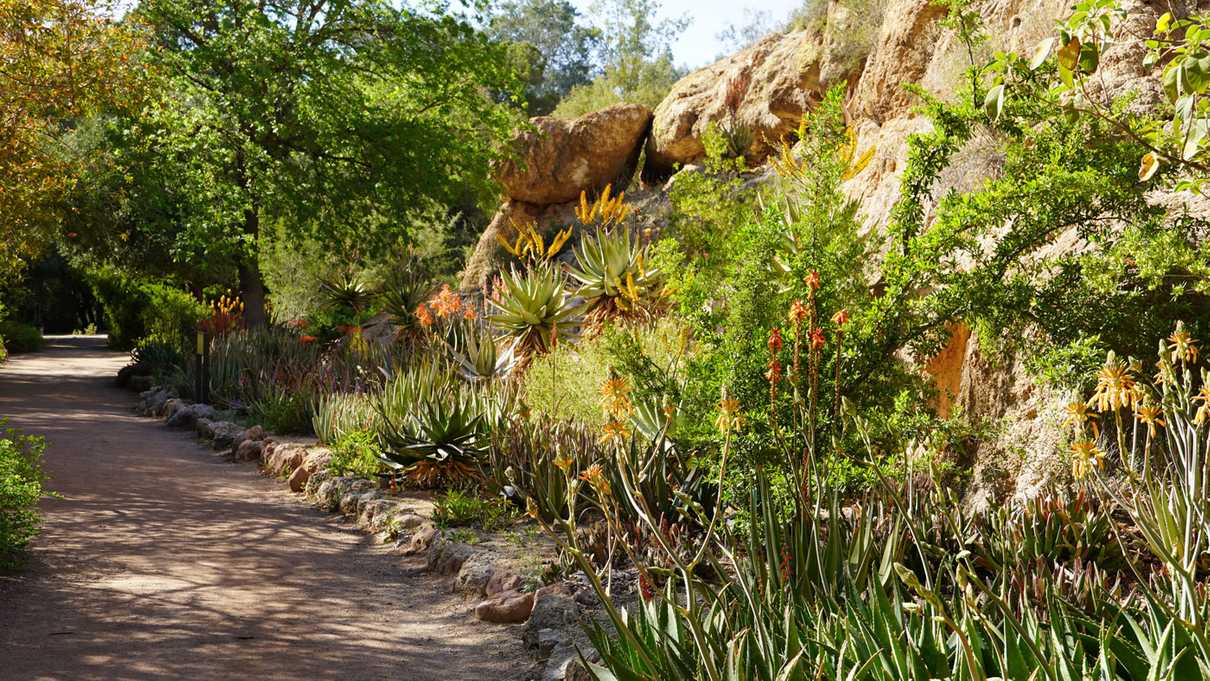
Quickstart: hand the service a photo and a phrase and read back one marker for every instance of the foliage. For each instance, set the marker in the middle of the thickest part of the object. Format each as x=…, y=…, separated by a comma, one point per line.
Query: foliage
x=638, y=65
x=3, y=351
x=356, y=452
x=63, y=58
x=289, y=115
x=457, y=507
x=20, y=337
x=21, y=488
x=534, y=309
x=557, y=51
x=530, y=460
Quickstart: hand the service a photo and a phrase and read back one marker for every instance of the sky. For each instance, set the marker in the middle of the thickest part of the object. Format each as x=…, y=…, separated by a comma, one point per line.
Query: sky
x=699, y=45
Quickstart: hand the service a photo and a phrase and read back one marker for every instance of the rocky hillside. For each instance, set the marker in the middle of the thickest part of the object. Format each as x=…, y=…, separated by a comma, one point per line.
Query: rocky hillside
x=767, y=88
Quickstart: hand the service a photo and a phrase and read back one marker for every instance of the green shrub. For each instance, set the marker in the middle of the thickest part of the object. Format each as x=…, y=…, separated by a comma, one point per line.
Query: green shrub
x=122, y=303
x=21, y=488
x=19, y=337
x=356, y=452
x=3, y=351
x=171, y=315
x=157, y=357
x=282, y=410
x=456, y=507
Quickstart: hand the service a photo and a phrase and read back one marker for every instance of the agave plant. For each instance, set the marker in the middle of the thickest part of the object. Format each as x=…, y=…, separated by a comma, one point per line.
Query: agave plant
x=432, y=427
x=535, y=310
x=613, y=275
x=346, y=290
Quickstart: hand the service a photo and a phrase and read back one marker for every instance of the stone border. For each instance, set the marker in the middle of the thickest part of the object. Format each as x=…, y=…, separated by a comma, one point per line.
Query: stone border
x=552, y=615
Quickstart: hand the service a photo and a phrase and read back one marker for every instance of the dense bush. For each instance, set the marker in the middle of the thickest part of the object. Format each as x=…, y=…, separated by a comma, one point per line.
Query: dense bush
x=133, y=309
x=18, y=337
x=21, y=489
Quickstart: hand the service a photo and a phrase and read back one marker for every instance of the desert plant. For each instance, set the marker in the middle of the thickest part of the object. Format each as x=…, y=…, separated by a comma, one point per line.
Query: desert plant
x=156, y=356
x=338, y=414
x=535, y=311
x=474, y=351
x=529, y=246
x=614, y=277
x=282, y=410
x=458, y=507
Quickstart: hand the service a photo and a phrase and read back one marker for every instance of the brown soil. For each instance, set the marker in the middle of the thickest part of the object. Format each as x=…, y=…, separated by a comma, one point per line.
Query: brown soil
x=162, y=561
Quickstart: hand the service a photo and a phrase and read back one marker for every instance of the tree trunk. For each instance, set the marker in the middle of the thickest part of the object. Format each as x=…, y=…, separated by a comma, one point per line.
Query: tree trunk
x=251, y=285
x=252, y=293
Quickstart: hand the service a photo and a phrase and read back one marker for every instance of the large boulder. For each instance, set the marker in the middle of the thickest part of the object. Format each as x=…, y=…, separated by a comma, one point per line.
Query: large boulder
x=560, y=158
x=765, y=88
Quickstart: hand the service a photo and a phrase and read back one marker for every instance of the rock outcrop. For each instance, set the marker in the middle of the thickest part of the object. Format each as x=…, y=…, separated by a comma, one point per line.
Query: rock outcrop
x=764, y=89
x=560, y=158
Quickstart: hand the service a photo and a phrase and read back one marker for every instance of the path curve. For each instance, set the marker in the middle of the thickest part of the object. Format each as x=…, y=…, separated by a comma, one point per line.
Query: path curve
x=161, y=561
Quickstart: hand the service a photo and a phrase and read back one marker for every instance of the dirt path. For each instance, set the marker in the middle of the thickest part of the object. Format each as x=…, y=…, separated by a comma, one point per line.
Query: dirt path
x=160, y=561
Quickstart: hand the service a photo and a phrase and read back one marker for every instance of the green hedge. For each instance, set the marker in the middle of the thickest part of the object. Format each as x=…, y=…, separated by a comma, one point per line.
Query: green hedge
x=20, y=490
x=17, y=337
x=133, y=310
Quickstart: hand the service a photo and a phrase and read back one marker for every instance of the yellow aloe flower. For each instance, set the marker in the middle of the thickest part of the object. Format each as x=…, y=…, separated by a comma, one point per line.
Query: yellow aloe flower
x=564, y=462
x=729, y=419
x=1078, y=414
x=595, y=475
x=1182, y=345
x=1116, y=387
x=1203, y=412
x=1084, y=456
x=1151, y=415
x=615, y=431
x=615, y=394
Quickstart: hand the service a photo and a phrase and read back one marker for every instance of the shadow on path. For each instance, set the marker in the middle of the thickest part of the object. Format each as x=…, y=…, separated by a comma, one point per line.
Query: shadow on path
x=161, y=561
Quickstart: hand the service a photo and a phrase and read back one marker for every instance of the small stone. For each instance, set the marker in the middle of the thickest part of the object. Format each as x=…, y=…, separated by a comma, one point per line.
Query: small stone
x=509, y=607
x=298, y=479
x=475, y=574
x=554, y=608
x=421, y=540
x=256, y=433
x=446, y=557
x=548, y=640
x=409, y=521
x=502, y=581
x=249, y=450
x=226, y=434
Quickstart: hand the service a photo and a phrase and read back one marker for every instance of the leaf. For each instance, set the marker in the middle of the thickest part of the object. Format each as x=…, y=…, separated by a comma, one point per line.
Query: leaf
x=1069, y=55
x=1148, y=165
x=1162, y=24
x=993, y=103
x=1041, y=53
x=1193, y=139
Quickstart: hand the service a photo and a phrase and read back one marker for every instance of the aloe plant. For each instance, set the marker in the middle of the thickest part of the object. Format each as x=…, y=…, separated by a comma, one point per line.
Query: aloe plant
x=612, y=271
x=535, y=310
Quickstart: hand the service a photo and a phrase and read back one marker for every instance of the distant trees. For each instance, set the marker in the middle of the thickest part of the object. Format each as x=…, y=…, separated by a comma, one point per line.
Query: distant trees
x=637, y=58
x=557, y=52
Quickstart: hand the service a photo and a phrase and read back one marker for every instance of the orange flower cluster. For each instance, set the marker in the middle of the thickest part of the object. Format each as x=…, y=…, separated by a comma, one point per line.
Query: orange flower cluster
x=424, y=316
x=447, y=302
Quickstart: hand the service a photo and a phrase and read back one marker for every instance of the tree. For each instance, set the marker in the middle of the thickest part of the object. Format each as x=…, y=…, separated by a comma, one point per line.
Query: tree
x=337, y=118
x=547, y=34
x=638, y=58
x=59, y=59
